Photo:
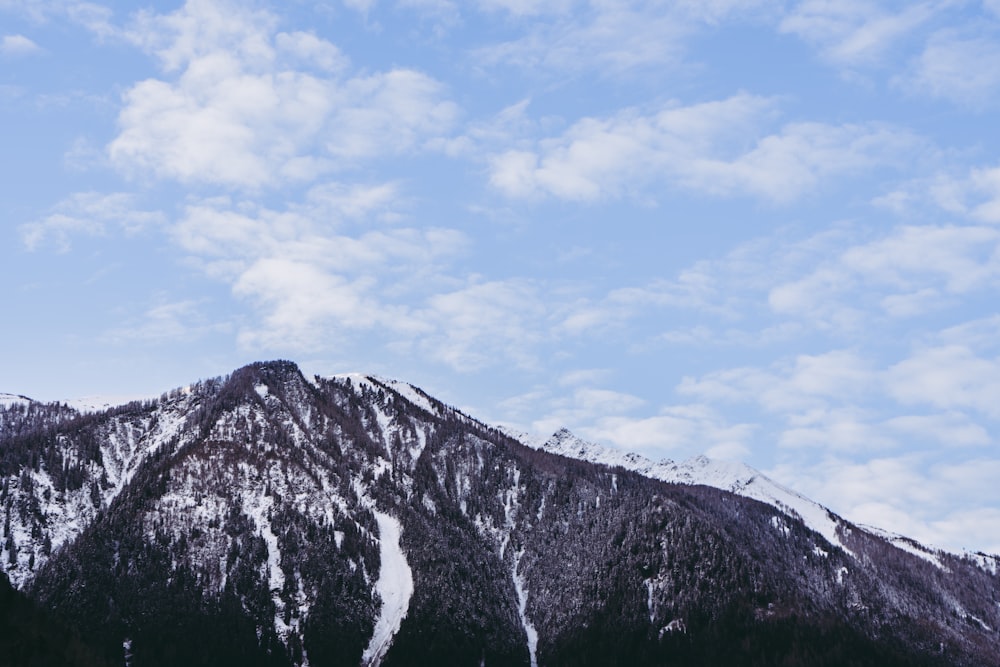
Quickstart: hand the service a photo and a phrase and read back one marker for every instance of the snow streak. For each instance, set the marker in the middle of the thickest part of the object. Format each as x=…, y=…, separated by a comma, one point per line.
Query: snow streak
x=394, y=586
x=522, y=608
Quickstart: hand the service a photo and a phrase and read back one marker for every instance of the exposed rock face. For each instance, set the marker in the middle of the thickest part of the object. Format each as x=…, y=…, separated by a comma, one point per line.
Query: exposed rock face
x=270, y=519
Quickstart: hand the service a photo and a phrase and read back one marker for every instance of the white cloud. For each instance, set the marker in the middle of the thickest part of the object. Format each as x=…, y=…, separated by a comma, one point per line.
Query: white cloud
x=852, y=33
x=911, y=270
x=485, y=323
x=962, y=69
x=947, y=377
x=702, y=147
x=951, y=429
x=810, y=382
x=841, y=429
x=167, y=322
x=974, y=194
x=309, y=277
x=90, y=214
x=302, y=304
x=248, y=107
x=950, y=505
x=361, y=6
x=18, y=45
x=680, y=430
x=526, y=7
x=610, y=38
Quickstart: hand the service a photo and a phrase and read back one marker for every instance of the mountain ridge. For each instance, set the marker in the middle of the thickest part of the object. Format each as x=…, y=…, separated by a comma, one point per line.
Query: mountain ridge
x=256, y=512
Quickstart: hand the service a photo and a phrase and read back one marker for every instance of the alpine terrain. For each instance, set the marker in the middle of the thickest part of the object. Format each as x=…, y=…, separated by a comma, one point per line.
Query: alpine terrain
x=269, y=518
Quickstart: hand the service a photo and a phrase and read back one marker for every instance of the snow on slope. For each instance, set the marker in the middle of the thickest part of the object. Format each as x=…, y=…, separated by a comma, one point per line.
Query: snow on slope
x=737, y=478
x=394, y=586
x=908, y=545
x=100, y=403
x=7, y=400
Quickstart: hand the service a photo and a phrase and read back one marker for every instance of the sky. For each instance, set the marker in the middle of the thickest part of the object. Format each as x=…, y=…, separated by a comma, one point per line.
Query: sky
x=767, y=231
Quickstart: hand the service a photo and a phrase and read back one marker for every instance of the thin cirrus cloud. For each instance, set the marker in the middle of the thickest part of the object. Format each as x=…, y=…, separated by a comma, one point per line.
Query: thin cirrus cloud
x=956, y=66
x=18, y=45
x=88, y=214
x=908, y=272
x=853, y=33
x=245, y=106
x=700, y=148
x=606, y=38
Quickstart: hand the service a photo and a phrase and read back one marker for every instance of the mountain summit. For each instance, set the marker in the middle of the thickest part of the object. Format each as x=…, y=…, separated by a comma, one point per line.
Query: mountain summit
x=267, y=518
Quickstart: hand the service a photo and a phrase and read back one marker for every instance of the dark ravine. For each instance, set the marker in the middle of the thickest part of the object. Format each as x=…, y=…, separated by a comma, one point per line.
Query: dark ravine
x=247, y=520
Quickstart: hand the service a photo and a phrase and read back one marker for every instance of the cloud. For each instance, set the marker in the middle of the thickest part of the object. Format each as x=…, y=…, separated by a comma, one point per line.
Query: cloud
x=246, y=106
x=485, y=323
x=951, y=429
x=839, y=429
x=302, y=304
x=521, y=8
x=908, y=272
x=610, y=39
x=974, y=194
x=678, y=430
x=311, y=278
x=852, y=33
x=90, y=214
x=607, y=416
x=18, y=45
x=167, y=322
x=947, y=377
x=949, y=505
x=963, y=69
x=702, y=148
x=807, y=383
x=361, y=6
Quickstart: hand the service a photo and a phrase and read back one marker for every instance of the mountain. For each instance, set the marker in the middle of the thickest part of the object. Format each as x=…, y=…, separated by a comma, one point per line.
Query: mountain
x=267, y=518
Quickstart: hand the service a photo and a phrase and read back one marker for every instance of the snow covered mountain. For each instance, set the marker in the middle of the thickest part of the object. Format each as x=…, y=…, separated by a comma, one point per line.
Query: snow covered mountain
x=267, y=518
x=743, y=480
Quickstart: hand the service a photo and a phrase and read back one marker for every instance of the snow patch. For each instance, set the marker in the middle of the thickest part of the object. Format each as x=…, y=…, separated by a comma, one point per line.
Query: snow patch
x=649, y=599
x=394, y=587
x=522, y=610
x=102, y=402
x=908, y=545
x=726, y=475
x=7, y=400
x=411, y=394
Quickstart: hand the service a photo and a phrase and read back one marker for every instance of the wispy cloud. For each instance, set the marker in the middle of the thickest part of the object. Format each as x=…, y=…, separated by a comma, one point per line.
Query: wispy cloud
x=959, y=67
x=851, y=33
x=18, y=45
x=909, y=271
x=89, y=214
x=604, y=38
x=702, y=148
x=167, y=322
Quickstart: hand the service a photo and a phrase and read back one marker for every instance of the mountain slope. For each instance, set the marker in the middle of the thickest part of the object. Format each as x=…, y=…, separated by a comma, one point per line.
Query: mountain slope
x=266, y=518
x=743, y=480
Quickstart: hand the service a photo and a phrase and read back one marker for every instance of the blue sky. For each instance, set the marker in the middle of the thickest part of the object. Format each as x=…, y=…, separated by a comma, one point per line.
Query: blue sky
x=768, y=231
